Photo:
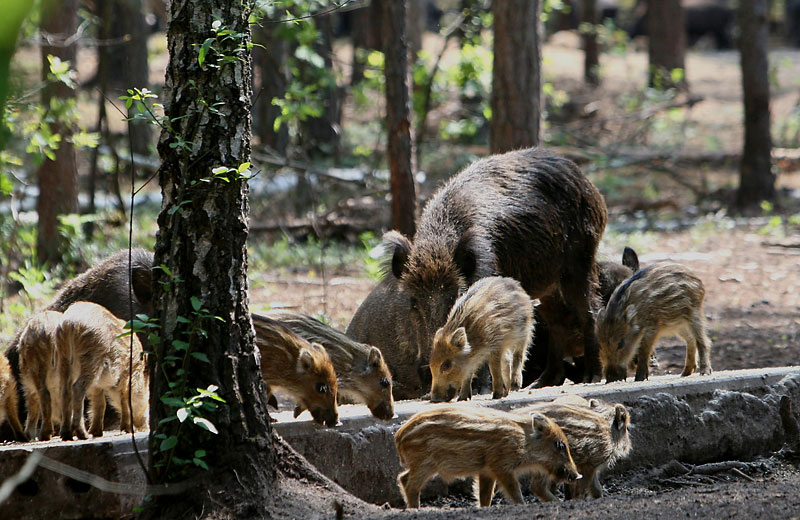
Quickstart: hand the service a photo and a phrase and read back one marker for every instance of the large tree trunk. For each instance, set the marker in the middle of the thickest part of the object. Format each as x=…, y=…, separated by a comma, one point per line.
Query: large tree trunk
x=270, y=61
x=666, y=44
x=756, y=180
x=516, y=75
x=398, y=122
x=58, y=179
x=591, y=50
x=202, y=244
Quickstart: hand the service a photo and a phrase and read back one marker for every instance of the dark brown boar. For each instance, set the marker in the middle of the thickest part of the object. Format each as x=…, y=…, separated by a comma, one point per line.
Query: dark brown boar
x=362, y=374
x=39, y=373
x=97, y=361
x=460, y=441
x=610, y=274
x=598, y=436
x=528, y=215
x=492, y=321
x=9, y=398
x=660, y=299
x=303, y=370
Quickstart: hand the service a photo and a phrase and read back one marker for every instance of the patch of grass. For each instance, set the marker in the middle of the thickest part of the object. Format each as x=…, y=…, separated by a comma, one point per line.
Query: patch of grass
x=309, y=256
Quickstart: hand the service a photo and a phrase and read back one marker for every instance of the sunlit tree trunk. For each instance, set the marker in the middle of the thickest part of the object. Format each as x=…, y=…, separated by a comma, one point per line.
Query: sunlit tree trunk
x=516, y=75
x=58, y=178
x=591, y=50
x=756, y=180
x=666, y=44
x=398, y=116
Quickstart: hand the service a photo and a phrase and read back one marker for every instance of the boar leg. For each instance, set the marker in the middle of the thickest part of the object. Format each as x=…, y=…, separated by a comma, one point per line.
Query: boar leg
x=13, y=416
x=485, y=490
x=543, y=487
x=596, y=490
x=552, y=309
x=78, y=397
x=47, y=414
x=516, y=367
x=497, y=369
x=34, y=413
x=124, y=411
x=645, y=349
x=510, y=486
x=690, y=364
x=411, y=484
x=698, y=327
x=97, y=400
x=466, y=390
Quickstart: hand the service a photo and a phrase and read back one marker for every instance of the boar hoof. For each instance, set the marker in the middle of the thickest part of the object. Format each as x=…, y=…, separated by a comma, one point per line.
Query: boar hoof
x=66, y=435
x=705, y=371
x=96, y=433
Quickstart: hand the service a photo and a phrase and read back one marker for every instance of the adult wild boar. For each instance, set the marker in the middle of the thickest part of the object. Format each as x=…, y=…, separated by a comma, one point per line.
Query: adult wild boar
x=526, y=214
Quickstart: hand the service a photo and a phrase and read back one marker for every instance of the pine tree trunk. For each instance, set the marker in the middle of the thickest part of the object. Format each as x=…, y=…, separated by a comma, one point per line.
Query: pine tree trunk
x=58, y=179
x=667, y=44
x=756, y=180
x=270, y=61
x=516, y=75
x=591, y=50
x=202, y=245
x=398, y=117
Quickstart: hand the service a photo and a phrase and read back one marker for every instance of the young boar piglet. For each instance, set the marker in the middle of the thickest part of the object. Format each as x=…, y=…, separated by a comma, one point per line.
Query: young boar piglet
x=598, y=436
x=659, y=300
x=460, y=441
x=96, y=360
x=302, y=370
x=39, y=373
x=492, y=321
x=362, y=374
x=9, y=398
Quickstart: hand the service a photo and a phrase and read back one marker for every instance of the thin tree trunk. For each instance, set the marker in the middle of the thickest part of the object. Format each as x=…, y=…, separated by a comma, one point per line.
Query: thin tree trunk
x=591, y=49
x=270, y=61
x=202, y=244
x=58, y=179
x=416, y=27
x=756, y=180
x=516, y=75
x=14, y=15
x=398, y=117
x=666, y=44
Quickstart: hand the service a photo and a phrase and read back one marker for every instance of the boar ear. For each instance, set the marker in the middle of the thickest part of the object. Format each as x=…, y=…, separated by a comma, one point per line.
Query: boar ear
x=470, y=255
x=539, y=424
x=305, y=361
x=630, y=259
x=399, y=246
x=459, y=340
x=374, y=358
x=620, y=416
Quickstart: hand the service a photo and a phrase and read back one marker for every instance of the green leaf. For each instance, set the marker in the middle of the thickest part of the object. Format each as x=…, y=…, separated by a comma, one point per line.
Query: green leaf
x=172, y=401
x=180, y=345
x=196, y=303
x=200, y=453
x=205, y=424
x=168, y=443
x=201, y=356
x=200, y=463
x=201, y=58
x=219, y=169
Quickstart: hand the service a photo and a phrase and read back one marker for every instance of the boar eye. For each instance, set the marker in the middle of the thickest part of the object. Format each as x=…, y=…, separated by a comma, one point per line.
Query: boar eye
x=385, y=383
x=560, y=446
x=322, y=388
x=621, y=344
x=447, y=365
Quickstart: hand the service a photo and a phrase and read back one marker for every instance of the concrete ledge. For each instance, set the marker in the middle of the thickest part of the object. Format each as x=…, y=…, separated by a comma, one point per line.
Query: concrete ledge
x=728, y=415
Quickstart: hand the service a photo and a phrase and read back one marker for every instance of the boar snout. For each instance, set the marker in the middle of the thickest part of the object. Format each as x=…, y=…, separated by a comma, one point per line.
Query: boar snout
x=384, y=410
x=325, y=416
x=616, y=373
x=439, y=395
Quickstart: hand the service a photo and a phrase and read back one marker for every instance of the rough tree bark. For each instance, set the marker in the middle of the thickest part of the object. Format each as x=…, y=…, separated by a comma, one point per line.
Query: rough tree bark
x=398, y=117
x=58, y=179
x=591, y=50
x=201, y=241
x=756, y=180
x=270, y=61
x=516, y=75
x=666, y=48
